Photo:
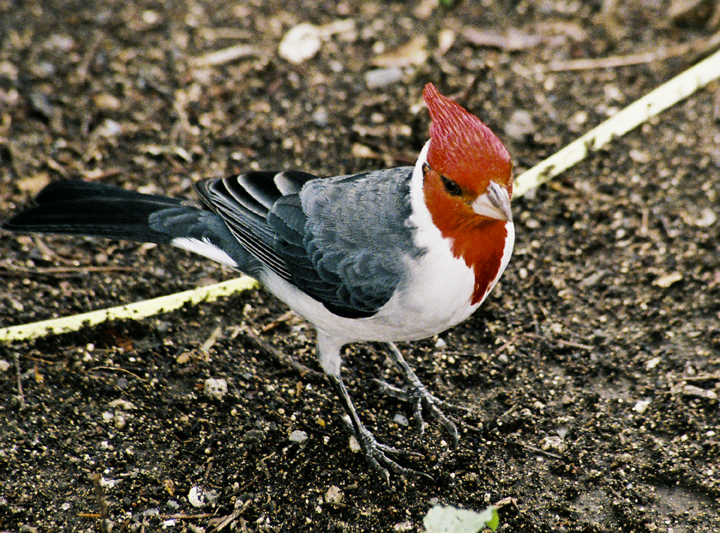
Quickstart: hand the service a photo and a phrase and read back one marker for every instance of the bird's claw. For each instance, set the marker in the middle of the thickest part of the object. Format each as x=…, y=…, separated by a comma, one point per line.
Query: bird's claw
x=420, y=398
x=377, y=454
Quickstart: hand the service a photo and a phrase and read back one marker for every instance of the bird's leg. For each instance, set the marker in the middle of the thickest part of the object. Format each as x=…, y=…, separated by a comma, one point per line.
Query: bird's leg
x=375, y=452
x=417, y=394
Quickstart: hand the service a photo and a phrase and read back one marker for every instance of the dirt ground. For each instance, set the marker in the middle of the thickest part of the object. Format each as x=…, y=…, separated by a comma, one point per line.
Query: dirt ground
x=592, y=373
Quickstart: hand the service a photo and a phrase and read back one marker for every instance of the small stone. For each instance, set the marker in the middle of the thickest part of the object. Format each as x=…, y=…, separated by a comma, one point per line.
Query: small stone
x=200, y=497
x=120, y=420
x=553, y=443
x=383, y=77
x=215, y=389
x=320, y=117
x=301, y=43
x=625, y=458
x=299, y=436
x=354, y=444
x=183, y=358
x=122, y=404
x=404, y=526
x=400, y=420
x=707, y=218
x=641, y=406
x=652, y=363
x=334, y=495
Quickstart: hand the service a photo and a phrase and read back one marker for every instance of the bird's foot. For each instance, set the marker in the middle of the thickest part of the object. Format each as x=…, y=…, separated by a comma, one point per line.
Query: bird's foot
x=377, y=454
x=417, y=395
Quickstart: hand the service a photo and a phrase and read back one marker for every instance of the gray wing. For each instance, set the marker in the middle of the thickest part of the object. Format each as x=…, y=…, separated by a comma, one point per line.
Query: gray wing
x=344, y=240
x=357, y=238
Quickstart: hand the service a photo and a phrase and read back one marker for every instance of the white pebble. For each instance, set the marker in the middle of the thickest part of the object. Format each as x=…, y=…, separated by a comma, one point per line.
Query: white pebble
x=652, y=363
x=641, y=406
x=400, y=420
x=199, y=497
x=354, y=444
x=300, y=43
x=215, y=389
x=383, y=77
x=298, y=436
x=334, y=495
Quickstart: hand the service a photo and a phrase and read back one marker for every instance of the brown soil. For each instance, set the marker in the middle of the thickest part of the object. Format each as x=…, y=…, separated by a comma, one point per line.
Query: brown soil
x=592, y=373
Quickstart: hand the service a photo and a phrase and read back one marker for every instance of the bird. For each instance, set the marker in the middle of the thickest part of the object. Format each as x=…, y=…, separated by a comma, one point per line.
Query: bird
x=398, y=254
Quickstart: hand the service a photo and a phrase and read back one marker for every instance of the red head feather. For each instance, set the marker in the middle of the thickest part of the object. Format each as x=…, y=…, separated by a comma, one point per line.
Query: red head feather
x=462, y=147
x=465, y=151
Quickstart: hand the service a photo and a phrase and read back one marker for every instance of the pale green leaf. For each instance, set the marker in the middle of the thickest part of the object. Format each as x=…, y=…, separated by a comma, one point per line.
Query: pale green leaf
x=447, y=519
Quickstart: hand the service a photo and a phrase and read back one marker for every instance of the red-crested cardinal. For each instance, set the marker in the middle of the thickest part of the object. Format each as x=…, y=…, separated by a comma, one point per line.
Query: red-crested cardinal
x=389, y=255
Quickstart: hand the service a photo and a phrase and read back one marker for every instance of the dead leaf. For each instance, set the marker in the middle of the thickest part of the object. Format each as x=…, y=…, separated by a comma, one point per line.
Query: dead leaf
x=412, y=53
x=668, y=279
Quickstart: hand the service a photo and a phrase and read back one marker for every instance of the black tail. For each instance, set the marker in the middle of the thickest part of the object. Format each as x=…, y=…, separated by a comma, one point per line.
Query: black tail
x=78, y=207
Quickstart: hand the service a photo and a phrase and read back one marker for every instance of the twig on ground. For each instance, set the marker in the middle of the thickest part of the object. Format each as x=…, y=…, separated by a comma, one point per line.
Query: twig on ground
x=117, y=369
x=279, y=356
x=634, y=59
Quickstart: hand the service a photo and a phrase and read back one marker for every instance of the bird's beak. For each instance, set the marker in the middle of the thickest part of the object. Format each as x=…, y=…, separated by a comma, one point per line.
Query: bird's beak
x=493, y=203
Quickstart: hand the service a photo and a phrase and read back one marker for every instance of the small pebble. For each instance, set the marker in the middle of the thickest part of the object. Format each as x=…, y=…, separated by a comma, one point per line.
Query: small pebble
x=553, y=443
x=354, y=444
x=196, y=497
x=652, y=363
x=641, y=406
x=334, y=495
x=123, y=404
x=400, y=420
x=215, y=389
x=300, y=43
x=298, y=436
x=200, y=497
x=383, y=77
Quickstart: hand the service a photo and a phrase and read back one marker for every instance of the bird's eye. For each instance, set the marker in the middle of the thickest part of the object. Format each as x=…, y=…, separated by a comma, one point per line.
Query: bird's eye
x=452, y=188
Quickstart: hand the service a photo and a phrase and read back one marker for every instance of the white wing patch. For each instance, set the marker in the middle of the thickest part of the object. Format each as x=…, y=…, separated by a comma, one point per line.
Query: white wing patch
x=205, y=248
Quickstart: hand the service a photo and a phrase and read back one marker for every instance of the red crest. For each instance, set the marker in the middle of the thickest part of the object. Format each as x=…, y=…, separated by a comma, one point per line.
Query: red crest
x=462, y=147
